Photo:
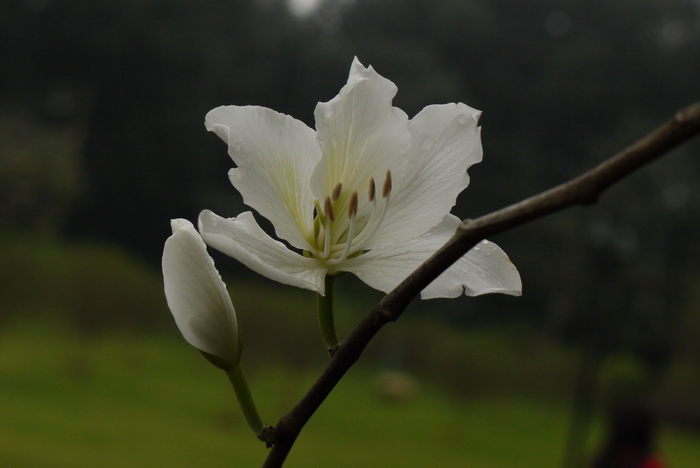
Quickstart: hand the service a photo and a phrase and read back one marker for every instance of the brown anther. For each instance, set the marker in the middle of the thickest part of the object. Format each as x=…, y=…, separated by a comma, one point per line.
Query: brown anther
x=337, y=190
x=352, y=210
x=387, y=185
x=372, y=189
x=328, y=209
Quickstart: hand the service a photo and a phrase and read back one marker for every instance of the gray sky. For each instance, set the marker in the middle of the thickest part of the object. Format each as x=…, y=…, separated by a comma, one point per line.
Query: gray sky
x=302, y=7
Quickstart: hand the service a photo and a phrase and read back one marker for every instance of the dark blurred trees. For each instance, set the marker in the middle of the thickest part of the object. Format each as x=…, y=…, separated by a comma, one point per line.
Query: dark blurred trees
x=145, y=73
x=561, y=83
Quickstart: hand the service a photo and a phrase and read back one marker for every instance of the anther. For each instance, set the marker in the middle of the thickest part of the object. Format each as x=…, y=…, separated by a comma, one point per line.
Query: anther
x=352, y=210
x=337, y=190
x=387, y=184
x=328, y=208
x=372, y=189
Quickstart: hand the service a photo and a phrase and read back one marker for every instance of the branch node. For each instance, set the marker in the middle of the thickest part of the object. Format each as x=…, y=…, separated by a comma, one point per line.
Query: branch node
x=333, y=349
x=268, y=434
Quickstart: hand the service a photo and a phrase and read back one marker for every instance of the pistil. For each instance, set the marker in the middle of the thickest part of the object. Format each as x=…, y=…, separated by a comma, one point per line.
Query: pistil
x=352, y=214
x=330, y=217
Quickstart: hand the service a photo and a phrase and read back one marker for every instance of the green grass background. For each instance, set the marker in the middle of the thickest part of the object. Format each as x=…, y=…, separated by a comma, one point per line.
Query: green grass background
x=143, y=401
x=93, y=373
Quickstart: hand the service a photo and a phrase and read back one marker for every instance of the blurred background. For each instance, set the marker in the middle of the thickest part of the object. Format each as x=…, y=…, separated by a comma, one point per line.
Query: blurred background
x=102, y=141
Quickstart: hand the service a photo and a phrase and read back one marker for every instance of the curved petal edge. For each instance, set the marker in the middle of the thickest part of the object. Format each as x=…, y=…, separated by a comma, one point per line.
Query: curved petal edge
x=243, y=239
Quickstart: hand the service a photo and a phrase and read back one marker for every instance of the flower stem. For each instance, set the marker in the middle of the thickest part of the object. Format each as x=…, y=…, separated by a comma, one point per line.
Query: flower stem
x=325, y=316
x=245, y=398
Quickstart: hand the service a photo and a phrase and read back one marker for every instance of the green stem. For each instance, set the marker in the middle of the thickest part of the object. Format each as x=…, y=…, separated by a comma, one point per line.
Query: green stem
x=325, y=316
x=245, y=398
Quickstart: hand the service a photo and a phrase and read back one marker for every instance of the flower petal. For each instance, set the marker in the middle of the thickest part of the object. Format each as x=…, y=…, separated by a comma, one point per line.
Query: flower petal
x=446, y=141
x=361, y=134
x=275, y=155
x=197, y=296
x=484, y=269
x=243, y=239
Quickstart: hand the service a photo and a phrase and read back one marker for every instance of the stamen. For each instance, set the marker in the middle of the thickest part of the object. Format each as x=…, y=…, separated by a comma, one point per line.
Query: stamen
x=352, y=210
x=372, y=189
x=387, y=184
x=328, y=209
x=376, y=217
x=337, y=190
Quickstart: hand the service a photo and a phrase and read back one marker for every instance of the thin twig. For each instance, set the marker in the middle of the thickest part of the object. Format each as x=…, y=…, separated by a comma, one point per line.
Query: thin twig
x=582, y=190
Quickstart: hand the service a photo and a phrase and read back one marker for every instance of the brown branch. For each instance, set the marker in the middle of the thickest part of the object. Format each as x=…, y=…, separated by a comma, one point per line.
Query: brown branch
x=582, y=190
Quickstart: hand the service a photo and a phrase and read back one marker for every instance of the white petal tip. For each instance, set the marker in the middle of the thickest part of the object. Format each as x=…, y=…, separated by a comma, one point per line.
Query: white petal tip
x=179, y=223
x=222, y=131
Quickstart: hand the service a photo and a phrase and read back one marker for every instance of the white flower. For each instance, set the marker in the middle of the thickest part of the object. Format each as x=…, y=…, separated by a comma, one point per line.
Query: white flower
x=197, y=296
x=369, y=192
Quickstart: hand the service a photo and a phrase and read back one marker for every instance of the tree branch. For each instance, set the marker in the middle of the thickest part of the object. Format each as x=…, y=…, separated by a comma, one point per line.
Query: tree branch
x=582, y=190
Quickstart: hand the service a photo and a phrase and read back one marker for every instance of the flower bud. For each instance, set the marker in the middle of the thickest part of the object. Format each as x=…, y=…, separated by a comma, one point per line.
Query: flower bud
x=197, y=297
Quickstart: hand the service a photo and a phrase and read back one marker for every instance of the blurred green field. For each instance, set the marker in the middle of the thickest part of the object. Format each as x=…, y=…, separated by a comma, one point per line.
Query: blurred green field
x=127, y=400
x=93, y=373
